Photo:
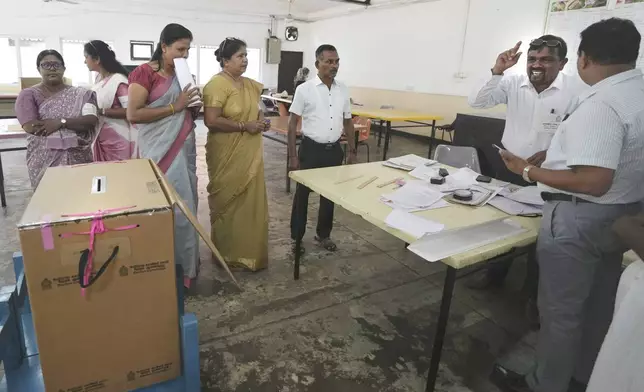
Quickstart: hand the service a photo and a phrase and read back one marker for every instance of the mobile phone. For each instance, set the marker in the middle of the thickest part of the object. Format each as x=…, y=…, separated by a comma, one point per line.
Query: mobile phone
x=483, y=178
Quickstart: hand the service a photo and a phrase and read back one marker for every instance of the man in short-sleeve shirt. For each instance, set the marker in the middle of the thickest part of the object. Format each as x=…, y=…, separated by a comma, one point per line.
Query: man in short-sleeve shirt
x=536, y=103
x=323, y=106
x=592, y=176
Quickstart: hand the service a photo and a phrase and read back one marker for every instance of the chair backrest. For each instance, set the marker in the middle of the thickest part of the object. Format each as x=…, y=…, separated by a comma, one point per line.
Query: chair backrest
x=458, y=156
x=29, y=82
x=364, y=133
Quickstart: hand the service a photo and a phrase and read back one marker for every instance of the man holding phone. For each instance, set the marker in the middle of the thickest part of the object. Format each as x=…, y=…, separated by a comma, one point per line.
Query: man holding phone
x=536, y=104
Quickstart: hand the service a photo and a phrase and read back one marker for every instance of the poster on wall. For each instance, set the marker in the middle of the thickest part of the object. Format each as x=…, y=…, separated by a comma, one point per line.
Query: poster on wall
x=569, y=18
x=624, y=2
x=571, y=5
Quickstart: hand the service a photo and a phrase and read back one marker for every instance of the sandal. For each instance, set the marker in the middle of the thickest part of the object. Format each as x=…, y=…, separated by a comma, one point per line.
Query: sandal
x=326, y=243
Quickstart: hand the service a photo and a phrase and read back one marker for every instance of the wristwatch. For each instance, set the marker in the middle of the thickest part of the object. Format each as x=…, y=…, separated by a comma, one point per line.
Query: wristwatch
x=526, y=173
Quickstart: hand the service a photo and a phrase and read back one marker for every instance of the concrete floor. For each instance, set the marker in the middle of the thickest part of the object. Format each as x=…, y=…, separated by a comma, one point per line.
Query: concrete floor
x=360, y=319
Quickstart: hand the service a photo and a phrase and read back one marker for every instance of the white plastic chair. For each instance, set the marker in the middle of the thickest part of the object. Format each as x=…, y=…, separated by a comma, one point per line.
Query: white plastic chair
x=458, y=156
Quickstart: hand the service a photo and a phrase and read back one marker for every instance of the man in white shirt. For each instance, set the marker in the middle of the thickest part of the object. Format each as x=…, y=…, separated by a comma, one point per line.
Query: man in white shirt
x=592, y=176
x=323, y=105
x=536, y=103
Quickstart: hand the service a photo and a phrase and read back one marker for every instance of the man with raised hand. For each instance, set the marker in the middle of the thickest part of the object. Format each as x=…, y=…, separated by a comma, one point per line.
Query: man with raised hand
x=536, y=104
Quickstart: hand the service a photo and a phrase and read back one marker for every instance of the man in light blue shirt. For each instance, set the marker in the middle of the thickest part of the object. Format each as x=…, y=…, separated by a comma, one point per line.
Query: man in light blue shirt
x=592, y=176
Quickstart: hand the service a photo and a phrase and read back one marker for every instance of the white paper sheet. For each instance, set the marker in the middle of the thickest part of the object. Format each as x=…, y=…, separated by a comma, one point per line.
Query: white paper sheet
x=408, y=162
x=411, y=224
x=438, y=246
x=527, y=195
x=514, y=207
x=184, y=76
x=414, y=194
x=437, y=205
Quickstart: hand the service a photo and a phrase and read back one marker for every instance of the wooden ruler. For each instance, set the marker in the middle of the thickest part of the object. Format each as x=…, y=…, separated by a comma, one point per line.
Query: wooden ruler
x=347, y=180
x=389, y=182
x=369, y=181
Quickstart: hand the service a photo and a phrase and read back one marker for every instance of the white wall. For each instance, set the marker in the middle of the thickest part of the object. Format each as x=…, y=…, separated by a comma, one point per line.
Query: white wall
x=31, y=19
x=418, y=47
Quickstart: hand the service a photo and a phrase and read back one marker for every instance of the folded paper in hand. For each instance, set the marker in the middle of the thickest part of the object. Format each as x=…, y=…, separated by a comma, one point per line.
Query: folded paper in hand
x=185, y=76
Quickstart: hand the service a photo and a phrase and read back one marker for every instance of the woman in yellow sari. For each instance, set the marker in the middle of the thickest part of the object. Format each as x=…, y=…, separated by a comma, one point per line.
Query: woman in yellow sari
x=234, y=154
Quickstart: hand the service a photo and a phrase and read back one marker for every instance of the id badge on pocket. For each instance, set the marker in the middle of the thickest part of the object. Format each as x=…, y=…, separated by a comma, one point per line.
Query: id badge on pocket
x=551, y=124
x=62, y=141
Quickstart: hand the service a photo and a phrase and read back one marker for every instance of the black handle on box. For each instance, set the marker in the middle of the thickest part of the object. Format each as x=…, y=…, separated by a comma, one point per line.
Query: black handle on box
x=83, y=263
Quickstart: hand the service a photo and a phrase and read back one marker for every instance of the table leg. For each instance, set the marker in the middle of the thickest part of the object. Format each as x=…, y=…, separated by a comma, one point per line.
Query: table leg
x=387, y=130
x=288, y=179
x=3, y=198
x=357, y=139
x=380, y=133
x=298, y=255
x=439, y=335
x=431, y=140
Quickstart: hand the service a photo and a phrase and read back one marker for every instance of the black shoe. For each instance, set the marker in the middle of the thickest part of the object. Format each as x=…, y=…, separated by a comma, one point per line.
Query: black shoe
x=483, y=280
x=509, y=381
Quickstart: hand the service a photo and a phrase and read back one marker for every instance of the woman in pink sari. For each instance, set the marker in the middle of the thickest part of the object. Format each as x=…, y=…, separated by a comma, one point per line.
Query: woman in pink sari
x=159, y=109
x=60, y=120
x=116, y=139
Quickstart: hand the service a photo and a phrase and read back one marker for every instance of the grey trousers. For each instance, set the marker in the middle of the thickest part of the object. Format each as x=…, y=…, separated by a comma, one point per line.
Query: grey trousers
x=579, y=268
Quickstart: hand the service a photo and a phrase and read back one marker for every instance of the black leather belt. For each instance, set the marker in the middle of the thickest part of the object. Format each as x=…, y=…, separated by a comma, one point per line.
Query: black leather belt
x=326, y=146
x=549, y=196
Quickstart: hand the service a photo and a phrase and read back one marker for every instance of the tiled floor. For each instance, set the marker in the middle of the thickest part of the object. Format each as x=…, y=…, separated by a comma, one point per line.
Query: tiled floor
x=360, y=319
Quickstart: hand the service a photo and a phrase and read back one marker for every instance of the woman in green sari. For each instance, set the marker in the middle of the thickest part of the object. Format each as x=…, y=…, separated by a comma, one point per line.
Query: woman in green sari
x=234, y=154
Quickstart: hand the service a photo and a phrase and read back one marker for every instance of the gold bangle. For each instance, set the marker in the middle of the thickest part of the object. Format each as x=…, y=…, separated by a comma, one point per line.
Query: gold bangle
x=172, y=107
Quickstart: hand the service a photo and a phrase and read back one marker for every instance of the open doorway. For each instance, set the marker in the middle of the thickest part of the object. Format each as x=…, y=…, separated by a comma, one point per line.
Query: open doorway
x=289, y=64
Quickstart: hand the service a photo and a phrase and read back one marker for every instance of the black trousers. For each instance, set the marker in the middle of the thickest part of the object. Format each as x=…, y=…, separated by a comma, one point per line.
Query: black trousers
x=314, y=155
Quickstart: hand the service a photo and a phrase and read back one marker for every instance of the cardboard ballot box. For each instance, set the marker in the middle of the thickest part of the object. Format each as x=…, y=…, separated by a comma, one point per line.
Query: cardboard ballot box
x=122, y=331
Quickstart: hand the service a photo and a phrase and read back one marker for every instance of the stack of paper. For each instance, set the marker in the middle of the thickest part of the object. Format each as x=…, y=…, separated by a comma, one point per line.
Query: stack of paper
x=526, y=195
x=413, y=225
x=434, y=247
x=512, y=207
x=413, y=196
x=464, y=178
x=516, y=200
x=408, y=162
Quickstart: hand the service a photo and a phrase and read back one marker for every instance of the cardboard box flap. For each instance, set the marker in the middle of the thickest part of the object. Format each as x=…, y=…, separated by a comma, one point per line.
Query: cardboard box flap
x=175, y=199
x=67, y=192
